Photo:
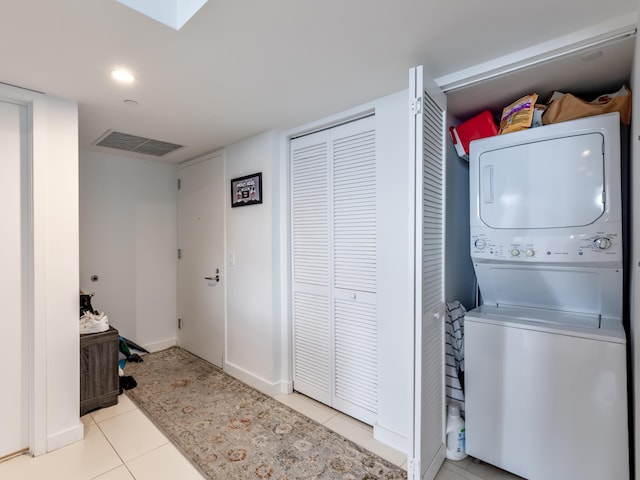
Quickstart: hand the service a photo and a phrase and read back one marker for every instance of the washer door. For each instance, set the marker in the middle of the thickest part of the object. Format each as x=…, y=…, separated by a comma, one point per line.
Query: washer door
x=589, y=291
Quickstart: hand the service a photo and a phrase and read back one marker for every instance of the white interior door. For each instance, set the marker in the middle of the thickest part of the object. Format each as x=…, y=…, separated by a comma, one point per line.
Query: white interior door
x=311, y=266
x=14, y=399
x=427, y=123
x=334, y=264
x=354, y=259
x=200, y=267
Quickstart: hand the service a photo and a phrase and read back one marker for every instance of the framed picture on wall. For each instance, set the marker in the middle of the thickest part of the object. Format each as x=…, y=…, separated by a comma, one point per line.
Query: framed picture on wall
x=246, y=190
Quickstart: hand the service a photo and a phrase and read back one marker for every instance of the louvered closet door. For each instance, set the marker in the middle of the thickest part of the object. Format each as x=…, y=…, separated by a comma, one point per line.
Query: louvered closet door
x=311, y=302
x=428, y=119
x=334, y=267
x=354, y=263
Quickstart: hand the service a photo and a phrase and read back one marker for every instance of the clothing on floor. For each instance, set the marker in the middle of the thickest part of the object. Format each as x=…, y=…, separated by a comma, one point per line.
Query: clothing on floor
x=454, y=354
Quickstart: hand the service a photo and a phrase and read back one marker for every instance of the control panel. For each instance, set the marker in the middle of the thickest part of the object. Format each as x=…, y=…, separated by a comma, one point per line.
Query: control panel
x=586, y=247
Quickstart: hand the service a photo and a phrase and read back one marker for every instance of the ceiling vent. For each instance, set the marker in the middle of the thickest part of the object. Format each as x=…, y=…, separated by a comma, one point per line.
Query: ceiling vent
x=133, y=143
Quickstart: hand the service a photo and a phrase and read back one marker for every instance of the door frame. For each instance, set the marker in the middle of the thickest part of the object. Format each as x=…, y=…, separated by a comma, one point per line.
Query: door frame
x=394, y=429
x=286, y=264
x=33, y=324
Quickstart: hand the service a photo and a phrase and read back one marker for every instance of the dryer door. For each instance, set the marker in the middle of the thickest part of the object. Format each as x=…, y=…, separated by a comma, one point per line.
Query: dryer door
x=546, y=184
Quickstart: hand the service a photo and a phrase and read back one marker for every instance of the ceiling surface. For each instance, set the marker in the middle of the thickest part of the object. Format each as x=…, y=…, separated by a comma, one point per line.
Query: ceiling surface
x=241, y=67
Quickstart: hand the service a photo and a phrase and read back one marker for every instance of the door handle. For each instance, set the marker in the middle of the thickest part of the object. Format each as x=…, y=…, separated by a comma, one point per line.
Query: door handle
x=487, y=184
x=216, y=278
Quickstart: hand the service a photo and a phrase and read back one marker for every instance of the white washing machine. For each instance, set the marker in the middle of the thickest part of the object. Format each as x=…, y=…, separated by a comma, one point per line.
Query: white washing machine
x=545, y=354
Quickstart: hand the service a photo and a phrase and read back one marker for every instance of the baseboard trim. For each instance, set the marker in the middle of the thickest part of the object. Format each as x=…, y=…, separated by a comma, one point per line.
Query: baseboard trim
x=66, y=437
x=162, y=345
x=391, y=437
x=286, y=387
x=259, y=383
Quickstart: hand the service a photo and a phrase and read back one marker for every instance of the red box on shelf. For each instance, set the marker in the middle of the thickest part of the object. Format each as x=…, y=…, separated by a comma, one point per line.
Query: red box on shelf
x=480, y=126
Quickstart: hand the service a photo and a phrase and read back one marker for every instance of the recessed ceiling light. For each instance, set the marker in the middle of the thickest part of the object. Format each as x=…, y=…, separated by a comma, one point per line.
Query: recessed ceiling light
x=123, y=76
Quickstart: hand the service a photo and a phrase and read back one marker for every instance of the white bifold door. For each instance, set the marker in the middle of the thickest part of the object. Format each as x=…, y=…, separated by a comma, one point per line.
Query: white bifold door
x=427, y=124
x=333, y=210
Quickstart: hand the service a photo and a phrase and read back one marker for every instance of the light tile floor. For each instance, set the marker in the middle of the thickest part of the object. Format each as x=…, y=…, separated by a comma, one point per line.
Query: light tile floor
x=362, y=434
x=121, y=443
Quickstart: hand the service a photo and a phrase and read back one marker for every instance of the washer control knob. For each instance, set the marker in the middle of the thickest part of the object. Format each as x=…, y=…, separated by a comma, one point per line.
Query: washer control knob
x=515, y=252
x=480, y=243
x=530, y=253
x=602, y=243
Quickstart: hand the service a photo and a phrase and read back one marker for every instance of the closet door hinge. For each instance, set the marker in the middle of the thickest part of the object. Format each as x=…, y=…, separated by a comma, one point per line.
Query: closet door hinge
x=179, y=253
x=413, y=469
x=179, y=323
x=179, y=184
x=416, y=105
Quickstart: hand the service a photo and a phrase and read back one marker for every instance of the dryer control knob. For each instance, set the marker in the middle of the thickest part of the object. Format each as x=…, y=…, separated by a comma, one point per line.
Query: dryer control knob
x=530, y=253
x=602, y=243
x=480, y=243
x=515, y=252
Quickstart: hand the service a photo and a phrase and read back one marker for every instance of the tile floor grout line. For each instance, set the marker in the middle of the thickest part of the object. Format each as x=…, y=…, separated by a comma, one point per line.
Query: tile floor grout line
x=112, y=469
x=112, y=448
x=116, y=451
x=329, y=419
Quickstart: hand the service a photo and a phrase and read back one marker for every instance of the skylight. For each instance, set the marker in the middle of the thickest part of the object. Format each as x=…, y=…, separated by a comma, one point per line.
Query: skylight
x=173, y=13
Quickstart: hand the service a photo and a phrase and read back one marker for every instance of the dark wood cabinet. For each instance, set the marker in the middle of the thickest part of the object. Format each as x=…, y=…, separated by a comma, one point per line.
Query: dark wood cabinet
x=99, y=382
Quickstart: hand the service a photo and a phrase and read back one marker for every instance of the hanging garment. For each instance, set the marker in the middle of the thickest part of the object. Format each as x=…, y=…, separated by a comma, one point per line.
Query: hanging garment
x=454, y=351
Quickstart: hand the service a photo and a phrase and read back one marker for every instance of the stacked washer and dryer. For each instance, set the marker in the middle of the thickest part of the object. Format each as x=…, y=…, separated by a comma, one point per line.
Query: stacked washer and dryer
x=546, y=378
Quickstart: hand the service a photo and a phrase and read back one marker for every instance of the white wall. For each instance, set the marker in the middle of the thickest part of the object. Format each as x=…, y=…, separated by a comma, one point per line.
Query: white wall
x=252, y=351
x=55, y=172
x=460, y=277
x=128, y=237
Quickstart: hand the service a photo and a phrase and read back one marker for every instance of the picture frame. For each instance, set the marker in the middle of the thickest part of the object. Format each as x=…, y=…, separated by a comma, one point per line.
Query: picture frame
x=246, y=190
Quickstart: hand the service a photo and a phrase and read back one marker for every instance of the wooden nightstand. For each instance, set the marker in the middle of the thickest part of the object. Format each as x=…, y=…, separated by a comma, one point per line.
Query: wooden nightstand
x=99, y=380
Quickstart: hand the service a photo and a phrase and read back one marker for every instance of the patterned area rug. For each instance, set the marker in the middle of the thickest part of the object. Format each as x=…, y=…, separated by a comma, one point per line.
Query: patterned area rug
x=231, y=431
